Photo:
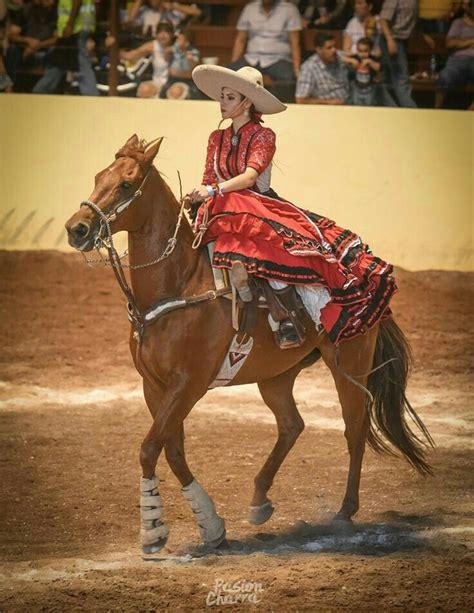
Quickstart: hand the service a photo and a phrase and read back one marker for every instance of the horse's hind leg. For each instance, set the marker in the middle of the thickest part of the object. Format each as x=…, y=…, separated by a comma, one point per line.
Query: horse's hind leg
x=356, y=359
x=278, y=396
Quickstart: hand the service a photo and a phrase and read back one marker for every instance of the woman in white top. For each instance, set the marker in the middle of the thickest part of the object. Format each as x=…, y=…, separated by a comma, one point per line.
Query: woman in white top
x=160, y=50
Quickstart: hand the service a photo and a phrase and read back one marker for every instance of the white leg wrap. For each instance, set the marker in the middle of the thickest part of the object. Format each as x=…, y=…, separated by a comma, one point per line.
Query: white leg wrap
x=211, y=526
x=151, y=512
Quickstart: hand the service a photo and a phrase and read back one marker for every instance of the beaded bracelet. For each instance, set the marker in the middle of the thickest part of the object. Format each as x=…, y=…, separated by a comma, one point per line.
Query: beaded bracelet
x=217, y=189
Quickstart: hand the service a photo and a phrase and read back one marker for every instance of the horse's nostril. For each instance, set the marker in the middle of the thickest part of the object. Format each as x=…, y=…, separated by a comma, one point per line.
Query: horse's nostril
x=81, y=230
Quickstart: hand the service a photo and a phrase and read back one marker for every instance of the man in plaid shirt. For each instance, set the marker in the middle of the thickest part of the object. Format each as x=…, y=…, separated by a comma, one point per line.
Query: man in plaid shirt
x=397, y=20
x=323, y=78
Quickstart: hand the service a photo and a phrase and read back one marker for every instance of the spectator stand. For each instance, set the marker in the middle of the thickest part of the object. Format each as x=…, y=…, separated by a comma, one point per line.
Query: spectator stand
x=214, y=36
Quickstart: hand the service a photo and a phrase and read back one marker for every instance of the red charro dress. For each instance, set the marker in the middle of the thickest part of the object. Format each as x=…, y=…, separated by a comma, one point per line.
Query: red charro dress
x=278, y=241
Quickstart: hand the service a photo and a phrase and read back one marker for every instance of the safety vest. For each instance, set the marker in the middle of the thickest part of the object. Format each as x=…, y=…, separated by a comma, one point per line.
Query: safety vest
x=85, y=21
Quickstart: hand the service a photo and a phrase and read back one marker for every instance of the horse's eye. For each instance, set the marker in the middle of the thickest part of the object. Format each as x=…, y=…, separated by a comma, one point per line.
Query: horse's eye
x=125, y=185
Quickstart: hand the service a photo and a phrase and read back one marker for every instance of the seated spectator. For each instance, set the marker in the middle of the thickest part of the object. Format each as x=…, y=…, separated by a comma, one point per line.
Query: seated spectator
x=31, y=35
x=75, y=26
x=459, y=69
x=6, y=84
x=397, y=21
x=268, y=39
x=364, y=69
x=184, y=59
x=362, y=25
x=324, y=76
x=148, y=15
x=160, y=51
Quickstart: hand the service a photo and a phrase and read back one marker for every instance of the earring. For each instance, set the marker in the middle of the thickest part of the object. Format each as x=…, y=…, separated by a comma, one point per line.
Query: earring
x=246, y=112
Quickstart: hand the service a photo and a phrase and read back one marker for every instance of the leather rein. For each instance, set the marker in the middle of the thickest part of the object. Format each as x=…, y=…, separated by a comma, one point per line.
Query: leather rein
x=140, y=320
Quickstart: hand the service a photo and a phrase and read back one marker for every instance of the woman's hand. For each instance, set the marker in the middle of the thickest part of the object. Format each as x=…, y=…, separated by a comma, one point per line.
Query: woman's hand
x=198, y=194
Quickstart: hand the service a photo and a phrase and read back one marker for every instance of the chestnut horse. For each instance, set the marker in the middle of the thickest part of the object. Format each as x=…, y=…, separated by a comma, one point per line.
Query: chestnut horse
x=179, y=354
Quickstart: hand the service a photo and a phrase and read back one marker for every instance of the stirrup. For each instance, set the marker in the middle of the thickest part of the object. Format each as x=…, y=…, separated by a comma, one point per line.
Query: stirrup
x=287, y=336
x=239, y=279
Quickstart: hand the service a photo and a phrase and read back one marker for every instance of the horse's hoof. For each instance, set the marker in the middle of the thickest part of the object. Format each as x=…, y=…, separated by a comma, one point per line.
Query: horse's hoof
x=154, y=547
x=261, y=514
x=341, y=520
x=214, y=544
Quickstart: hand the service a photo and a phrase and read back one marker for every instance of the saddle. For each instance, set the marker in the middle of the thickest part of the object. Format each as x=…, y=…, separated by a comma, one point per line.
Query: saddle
x=285, y=307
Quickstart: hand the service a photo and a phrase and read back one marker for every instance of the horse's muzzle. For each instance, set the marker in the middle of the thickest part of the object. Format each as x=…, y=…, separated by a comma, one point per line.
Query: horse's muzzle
x=80, y=236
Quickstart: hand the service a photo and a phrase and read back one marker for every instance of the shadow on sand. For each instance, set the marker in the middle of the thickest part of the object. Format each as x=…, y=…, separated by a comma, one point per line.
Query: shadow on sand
x=395, y=533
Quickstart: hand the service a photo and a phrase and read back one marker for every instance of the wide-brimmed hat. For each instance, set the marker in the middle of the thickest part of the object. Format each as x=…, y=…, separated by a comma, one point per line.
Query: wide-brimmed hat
x=247, y=81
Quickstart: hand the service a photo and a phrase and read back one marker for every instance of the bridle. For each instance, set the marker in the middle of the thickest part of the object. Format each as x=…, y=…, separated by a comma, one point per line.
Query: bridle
x=107, y=241
x=138, y=319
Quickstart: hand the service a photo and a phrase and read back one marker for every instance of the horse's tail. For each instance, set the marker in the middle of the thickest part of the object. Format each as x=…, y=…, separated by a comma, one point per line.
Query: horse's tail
x=390, y=407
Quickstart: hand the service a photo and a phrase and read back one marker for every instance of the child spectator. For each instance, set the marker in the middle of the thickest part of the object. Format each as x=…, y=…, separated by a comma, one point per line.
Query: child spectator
x=364, y=70
x=184, y=59
x=160, y=51
x=148, y=15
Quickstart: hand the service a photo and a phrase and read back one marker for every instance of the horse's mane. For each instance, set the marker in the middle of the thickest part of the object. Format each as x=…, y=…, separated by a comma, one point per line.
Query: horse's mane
x=137, y=152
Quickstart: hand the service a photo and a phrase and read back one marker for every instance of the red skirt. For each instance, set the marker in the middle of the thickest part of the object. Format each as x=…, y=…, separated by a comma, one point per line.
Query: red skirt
x=276, y=240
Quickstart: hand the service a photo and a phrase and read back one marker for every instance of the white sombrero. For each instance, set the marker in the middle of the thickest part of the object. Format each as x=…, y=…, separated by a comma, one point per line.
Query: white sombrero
x=247, y=81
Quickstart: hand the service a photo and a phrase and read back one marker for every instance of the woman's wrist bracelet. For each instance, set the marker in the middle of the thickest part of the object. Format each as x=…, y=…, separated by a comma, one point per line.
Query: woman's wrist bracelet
x=217, y=189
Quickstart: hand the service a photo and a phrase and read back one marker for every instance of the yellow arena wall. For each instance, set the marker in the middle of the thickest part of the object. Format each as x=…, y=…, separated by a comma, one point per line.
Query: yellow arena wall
x=402, y=179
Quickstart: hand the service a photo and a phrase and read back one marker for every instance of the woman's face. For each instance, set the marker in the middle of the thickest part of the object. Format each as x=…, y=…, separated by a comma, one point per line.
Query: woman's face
x=230, y=100
x=164, y=38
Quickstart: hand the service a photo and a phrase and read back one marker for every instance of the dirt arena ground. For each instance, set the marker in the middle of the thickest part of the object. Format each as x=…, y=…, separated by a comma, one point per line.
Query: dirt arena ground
x=72, y=419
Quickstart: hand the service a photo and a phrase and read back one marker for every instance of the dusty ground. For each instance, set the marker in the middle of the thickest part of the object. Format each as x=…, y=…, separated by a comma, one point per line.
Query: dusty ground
x=72, y=419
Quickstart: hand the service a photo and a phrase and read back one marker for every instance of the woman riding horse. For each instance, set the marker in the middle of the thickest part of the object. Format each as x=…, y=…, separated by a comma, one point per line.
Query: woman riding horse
x=343, y=286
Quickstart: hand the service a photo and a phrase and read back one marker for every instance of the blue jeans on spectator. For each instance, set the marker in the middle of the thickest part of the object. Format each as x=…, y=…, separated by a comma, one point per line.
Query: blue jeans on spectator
x=363, y=96
x=281, y=72
x=457, y=72
x=49, y=82
x=395, y=72
x=15, y=62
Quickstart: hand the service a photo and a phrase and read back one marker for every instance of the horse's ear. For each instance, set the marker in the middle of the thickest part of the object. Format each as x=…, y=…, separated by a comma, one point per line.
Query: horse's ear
x=132, y=142
x=151, y=151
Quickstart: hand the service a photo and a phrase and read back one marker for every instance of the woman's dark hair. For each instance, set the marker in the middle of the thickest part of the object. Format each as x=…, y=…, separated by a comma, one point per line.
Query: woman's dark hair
x=253, y=113
x=165, y=26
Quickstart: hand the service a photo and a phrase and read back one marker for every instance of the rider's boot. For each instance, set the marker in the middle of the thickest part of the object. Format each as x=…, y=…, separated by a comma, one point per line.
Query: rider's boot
x=239, y=278
x=291, y=332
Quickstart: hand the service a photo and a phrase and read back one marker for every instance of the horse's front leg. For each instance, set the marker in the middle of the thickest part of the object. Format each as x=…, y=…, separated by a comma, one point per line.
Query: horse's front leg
x=169, y=409
x=211, y=525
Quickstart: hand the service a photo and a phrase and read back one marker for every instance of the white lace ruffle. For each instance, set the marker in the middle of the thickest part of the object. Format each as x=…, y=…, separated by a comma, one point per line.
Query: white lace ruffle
x=314, y=298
